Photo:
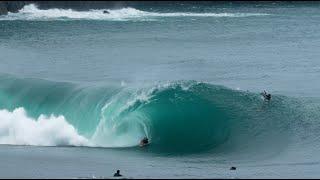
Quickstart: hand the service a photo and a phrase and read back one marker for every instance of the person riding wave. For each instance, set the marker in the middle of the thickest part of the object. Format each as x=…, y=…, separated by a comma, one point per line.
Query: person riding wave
x=266, y=96
x=144, y=141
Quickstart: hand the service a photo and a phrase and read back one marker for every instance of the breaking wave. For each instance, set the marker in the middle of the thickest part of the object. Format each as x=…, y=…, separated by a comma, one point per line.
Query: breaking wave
x=177, y=117
x=185, y=116
x=31, y=12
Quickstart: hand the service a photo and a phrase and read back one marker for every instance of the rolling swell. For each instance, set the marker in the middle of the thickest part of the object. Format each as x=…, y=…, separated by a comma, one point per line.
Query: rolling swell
x=178, y=117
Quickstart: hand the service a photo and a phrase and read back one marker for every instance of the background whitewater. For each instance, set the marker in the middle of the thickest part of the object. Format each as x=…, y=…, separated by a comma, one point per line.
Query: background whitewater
x=31, y=12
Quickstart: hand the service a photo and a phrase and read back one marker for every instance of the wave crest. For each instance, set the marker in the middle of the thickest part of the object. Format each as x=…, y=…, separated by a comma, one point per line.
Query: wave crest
x=31, y=12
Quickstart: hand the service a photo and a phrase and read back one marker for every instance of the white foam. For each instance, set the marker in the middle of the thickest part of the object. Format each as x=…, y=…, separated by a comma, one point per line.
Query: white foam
x=31, y=12
x=16, y=128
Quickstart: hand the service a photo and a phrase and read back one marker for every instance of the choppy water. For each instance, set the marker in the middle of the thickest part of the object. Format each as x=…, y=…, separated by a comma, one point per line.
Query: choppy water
x=188, y=77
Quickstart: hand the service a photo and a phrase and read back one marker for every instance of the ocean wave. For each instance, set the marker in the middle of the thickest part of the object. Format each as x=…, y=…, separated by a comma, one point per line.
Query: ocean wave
x=31, y=12
x=177, y=117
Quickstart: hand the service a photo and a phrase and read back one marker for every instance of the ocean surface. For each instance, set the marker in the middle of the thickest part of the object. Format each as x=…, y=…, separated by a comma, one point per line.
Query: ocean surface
x=80, y=89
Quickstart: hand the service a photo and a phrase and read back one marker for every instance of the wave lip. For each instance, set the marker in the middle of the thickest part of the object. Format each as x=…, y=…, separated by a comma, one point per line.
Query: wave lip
x=31, y=12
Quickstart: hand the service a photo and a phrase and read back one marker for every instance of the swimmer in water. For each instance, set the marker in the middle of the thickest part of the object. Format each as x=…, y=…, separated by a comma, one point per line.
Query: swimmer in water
x=117, y=174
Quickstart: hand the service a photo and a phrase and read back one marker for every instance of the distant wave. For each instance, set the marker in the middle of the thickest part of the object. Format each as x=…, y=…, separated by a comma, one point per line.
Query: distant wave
x=31, y=12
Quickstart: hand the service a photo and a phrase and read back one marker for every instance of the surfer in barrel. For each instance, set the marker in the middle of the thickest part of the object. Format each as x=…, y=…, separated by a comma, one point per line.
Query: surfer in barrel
x=266, y=96
x=144, y=142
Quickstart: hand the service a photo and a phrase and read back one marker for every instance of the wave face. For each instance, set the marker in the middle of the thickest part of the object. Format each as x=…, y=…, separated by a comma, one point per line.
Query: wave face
x=178, y=117
x=31, y=12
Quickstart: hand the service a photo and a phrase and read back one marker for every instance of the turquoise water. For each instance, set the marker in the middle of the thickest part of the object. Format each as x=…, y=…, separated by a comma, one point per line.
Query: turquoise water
x=80, y=89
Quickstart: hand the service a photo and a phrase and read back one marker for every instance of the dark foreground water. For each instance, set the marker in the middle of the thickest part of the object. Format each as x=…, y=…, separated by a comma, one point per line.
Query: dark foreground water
x=78, y=90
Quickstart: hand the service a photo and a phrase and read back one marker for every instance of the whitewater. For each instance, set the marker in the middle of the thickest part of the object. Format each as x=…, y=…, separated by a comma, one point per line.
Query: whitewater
x=32, y=12
x=80, y=89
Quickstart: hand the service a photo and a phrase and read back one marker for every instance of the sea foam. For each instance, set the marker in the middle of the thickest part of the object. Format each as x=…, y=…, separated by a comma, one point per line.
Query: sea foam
x=16, y=128
x=32, y=12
